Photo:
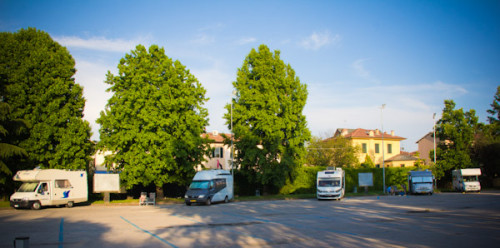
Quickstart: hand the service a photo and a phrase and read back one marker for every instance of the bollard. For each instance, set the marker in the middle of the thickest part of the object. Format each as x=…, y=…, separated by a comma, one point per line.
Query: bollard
x=22, y=242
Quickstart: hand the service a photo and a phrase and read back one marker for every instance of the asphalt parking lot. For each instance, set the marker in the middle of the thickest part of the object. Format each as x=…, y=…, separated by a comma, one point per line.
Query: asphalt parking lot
x=441, y=220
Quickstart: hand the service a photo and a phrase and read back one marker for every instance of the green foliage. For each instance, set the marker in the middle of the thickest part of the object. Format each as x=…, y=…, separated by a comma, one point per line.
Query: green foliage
x=487, y=143
x=154, y=120
x=456, y=131
x=336, y=152
x=36, y=75
x=268, y=111
x=368, y=162
x=9, y=132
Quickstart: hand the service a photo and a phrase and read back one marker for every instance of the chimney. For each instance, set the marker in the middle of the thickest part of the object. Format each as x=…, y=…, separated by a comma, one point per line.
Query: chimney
x=377, y=132
x=344, y=132
x=215, y=133
x=392, y=132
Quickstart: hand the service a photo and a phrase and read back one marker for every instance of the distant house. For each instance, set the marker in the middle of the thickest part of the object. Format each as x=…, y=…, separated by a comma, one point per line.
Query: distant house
x=425, y=145
x=370, y=142
x=220, y=155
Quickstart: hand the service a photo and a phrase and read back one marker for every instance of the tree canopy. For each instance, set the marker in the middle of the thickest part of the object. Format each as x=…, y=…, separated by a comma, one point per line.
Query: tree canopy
x=153, y=122
x=36, y=77
x=336, y=152
x=456, y=130
x=268, y=125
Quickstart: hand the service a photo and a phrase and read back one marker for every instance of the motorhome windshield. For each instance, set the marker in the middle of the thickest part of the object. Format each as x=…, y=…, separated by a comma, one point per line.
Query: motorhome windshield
x=329, y=183
x=199, y=185
x=422, y=179
x=470, y=178
x=28, y=187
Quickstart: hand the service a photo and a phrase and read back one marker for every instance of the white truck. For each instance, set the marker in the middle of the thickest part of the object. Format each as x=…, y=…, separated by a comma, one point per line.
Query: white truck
x=49, y=187
x=466, y=179
x=210, y=186
x=420, y=182
x=330, y=184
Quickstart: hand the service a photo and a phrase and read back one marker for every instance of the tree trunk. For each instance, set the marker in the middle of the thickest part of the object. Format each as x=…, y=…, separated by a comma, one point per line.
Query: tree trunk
x=159, y=192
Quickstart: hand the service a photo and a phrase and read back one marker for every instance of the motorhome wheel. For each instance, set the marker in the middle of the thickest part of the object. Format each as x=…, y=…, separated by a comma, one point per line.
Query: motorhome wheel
x=36, y=205
x=209, y=202
x=70, y=204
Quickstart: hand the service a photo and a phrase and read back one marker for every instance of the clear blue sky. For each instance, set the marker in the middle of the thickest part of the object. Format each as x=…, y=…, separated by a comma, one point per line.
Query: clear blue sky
x=354, y=56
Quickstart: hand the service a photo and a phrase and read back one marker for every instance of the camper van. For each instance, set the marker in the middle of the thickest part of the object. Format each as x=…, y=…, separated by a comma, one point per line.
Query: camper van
x=49, y=187
x=330, y=183
x=420, y=182
x=210, y=186
x=466, y=179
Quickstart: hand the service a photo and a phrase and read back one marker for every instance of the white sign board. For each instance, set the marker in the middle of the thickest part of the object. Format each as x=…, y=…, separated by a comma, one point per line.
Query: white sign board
x=365, y=179
x=106, y=183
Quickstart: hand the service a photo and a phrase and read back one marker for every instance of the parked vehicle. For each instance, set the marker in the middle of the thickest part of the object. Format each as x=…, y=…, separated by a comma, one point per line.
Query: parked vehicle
x=466, y=179
x=330, y=183
x=420, y=182
x=210, y=186
x=50, y=187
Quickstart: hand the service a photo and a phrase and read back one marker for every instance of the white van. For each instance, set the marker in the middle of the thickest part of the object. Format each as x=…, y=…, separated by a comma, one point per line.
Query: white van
x=330, y=183
x=50, y=187
x=210, y=186
x=466, y=179
x=420, y=182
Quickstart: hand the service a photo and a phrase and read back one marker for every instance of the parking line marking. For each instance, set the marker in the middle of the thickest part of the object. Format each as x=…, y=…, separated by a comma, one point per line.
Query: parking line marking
x=148, y=232
x=61, y=233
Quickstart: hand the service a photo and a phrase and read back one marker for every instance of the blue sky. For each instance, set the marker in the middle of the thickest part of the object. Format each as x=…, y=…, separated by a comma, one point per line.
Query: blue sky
x=354, y=56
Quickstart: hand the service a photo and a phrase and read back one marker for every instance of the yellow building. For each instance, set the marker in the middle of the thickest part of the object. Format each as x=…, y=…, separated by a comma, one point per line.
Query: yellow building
x=370, y=143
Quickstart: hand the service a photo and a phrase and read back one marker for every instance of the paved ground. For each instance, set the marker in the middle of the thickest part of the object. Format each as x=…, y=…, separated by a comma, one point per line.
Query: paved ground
x=441, y=220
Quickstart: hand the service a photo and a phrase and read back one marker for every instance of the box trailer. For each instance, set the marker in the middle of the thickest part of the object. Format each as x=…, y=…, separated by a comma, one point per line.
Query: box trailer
x=466, y=179
x=49, y=187
x=420, y=182
x=210, y=186
x=330, y=184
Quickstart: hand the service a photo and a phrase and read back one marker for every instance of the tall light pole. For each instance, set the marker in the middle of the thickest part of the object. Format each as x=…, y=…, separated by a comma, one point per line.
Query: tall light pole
x=383, y=155
x=232, y=133
x=434, y=129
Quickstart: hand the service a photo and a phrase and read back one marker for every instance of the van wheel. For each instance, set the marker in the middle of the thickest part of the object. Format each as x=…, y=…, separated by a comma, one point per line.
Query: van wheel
x=209, y=202
x=226, y=200
x=36, y=205
x=188, y=203
x=70, y=204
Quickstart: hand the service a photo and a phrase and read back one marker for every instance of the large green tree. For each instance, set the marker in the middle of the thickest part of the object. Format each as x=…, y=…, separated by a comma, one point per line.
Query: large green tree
x=337, y=152
x=154, y=120
x=487, y=143
x=36, y=74
x=269, y=127
x=456, y=130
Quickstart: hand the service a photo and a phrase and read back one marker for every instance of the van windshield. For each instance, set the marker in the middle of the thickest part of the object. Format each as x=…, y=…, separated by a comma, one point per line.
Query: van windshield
x=422, y=179
x=199, y=185
x=28, y=187
x=329, y=183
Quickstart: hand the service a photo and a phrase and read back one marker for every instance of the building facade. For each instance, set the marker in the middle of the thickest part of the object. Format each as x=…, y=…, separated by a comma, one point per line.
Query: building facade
x=220, y=154
x=425, y=145
x=370, y=142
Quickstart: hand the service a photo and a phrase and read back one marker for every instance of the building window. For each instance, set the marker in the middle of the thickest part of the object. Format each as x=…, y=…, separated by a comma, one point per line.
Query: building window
x=218, y=152
x=365, y=150
x=377, y=148
x=402, y=165
x=389, y=148
x=377, y=165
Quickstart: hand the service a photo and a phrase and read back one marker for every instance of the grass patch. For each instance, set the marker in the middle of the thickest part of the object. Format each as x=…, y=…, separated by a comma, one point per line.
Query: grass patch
x=4, y=204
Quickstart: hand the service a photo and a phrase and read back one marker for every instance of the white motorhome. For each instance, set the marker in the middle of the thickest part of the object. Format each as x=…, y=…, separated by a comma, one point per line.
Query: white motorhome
x=466, y=179
x=330, y=183
x=210, y=186
x=420, y=182
x=50, y=187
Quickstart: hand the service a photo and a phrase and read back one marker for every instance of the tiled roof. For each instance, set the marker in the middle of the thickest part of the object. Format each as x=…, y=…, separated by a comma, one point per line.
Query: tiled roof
x=361, y=133
x=402, y=157
x=216, y=137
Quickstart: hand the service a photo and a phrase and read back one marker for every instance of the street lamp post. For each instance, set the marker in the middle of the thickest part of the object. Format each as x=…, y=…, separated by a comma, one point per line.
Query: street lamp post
x=434, y=129
x=232, y=133
x=383, y=155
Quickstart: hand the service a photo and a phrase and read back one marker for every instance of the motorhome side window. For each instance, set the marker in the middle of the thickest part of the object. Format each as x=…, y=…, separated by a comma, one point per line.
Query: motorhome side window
x=220, y=183
x=63, y=184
